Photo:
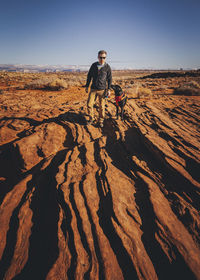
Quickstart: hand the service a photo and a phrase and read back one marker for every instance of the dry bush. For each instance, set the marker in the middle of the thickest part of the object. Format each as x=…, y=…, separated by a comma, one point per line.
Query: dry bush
x=73, y=82
x=52, y=81
x=74, y=79
x=138, y=91
x=144, y=92
x=48, y=83
x=189, y=89
x=132, y=92
x=57, y=84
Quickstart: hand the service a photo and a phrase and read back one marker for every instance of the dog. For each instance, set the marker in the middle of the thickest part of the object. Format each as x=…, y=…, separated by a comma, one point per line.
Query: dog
x=120, y=100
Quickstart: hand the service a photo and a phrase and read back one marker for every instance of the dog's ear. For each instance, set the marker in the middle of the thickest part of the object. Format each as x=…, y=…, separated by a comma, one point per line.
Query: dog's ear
x=118, y=88
x=113, y=86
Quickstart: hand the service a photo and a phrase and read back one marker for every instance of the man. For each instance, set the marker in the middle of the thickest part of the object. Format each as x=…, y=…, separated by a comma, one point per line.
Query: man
x=101, y=76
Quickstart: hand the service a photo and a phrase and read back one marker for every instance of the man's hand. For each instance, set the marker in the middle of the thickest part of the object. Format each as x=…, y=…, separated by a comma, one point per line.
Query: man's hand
x=86, y=89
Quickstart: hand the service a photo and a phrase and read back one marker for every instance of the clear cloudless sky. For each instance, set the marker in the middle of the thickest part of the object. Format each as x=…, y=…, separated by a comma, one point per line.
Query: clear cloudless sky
x=135, y=33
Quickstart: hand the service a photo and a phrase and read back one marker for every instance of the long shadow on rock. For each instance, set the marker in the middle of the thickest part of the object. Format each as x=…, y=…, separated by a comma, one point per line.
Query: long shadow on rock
x=121, y=152
x=70, y=116
x=165, y=269
x=43, y=250
x=11, y=237
x=81, y=231
x=173, y=180
x=73, y=117
x=106, y=214
x=12, y=164
x=68, y=232
x=94, y=232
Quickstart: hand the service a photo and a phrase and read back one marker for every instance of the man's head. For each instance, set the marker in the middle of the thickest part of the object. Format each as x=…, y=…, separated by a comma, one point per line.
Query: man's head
x=102, y=56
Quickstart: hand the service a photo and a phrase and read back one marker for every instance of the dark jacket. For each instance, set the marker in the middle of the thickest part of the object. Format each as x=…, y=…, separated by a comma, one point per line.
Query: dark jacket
x=99, y=78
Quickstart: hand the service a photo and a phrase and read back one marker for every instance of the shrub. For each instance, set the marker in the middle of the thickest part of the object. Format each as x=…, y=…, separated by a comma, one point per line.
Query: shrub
x=47, y=84
x=144, y=92
x=138, y=91
x=189, y=89
x=57, y=84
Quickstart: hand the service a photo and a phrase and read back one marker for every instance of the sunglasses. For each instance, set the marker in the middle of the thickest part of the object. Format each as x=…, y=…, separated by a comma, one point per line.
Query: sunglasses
x=102, y=57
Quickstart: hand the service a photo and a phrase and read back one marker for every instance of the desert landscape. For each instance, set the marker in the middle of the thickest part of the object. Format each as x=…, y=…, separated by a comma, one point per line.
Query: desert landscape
x=82, y=202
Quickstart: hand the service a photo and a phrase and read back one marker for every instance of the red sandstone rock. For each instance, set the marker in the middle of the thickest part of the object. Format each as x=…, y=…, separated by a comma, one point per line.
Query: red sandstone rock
x=80, y=202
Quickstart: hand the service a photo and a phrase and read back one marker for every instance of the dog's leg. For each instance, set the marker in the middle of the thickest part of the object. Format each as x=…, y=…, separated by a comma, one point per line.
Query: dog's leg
x=122, y=113
x=117, y=112
x=122, y=108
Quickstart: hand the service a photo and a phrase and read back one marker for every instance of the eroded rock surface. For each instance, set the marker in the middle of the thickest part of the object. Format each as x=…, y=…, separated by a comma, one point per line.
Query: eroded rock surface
x=80, y=202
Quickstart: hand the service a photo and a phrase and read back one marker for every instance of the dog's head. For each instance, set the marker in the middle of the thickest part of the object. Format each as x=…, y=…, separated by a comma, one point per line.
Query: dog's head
x=117, y=89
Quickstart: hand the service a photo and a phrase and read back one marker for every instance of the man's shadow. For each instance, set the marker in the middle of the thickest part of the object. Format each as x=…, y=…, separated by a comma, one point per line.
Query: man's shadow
x=73, y=117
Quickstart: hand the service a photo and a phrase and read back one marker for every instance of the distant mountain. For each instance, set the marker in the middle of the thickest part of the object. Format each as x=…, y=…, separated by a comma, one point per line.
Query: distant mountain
x=42, y=68
x=26, y=68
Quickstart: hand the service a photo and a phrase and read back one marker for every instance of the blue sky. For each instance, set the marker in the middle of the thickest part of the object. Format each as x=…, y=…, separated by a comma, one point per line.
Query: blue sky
x=136, y=34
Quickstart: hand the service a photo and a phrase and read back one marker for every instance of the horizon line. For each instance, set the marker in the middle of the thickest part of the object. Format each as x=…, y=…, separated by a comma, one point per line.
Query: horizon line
x=88, y=65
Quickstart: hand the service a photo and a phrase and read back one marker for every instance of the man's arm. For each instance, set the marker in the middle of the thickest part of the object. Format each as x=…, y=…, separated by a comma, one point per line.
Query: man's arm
x=89, y=76
x=109, y=77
